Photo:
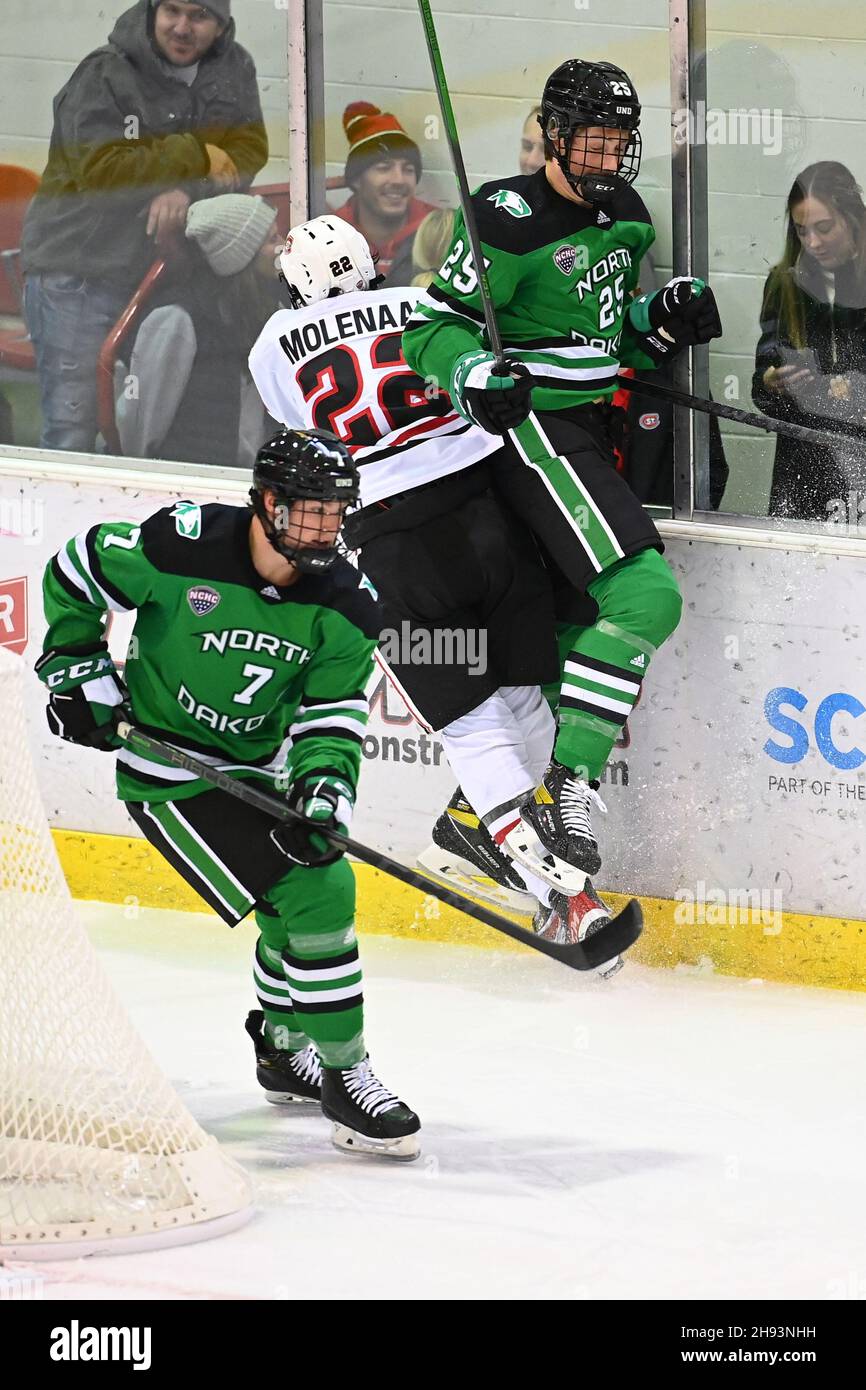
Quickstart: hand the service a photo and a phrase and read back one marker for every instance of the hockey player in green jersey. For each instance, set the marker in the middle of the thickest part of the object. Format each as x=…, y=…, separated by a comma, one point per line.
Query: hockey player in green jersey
x=250, y=628
x=562, y=250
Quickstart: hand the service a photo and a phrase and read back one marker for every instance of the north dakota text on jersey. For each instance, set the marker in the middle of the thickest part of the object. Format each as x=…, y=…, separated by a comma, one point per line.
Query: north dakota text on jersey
x=243, y=639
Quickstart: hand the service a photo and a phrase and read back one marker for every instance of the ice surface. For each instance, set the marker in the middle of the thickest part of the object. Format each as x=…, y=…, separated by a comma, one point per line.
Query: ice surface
x=665, y=1135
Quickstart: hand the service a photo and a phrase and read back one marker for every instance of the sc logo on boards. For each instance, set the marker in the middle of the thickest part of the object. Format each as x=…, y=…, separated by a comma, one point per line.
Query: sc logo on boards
x=818, y=719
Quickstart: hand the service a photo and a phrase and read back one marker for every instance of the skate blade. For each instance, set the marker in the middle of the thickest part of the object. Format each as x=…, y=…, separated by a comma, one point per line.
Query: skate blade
x=288, y=1098
x=528, y=850
x=463, y=877
x=405, y=1149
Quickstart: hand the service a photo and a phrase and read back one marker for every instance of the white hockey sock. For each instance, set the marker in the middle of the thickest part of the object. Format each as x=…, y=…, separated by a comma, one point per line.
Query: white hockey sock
x=500, y=751
x=532, y=712
x=487, y=753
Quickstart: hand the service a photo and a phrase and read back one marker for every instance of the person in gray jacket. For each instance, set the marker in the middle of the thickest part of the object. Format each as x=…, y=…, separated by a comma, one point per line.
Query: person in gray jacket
x=164, y=114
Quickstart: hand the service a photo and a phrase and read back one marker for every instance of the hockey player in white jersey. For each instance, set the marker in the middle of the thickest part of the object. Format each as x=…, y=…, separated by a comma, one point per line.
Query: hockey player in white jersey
x=441, y=551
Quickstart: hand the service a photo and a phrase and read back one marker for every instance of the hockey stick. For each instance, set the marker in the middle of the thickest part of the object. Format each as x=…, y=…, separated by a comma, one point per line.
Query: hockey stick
x=642, y=387
x=609, y=941
x=445, y=107
x=527, y=438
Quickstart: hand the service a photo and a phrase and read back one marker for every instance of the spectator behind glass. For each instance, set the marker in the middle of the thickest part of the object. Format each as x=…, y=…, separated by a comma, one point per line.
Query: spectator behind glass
x=165, y=113
x=187, y=393
x=382, y=170
x=532, y=143
x=431, y=246
x=811, y=356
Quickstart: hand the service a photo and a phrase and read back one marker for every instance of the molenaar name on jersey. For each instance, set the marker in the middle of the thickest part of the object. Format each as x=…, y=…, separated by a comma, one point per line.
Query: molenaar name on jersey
x=242, y=639
x=311, y=337
x=618, y=259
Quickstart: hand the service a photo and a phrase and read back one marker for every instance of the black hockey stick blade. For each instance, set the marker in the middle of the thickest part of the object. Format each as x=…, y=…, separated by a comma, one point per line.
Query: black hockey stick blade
x=620, y=933
x=641, y=387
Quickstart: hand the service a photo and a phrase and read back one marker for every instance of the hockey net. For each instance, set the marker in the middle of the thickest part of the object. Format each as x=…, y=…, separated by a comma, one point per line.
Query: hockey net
x=97, y=1153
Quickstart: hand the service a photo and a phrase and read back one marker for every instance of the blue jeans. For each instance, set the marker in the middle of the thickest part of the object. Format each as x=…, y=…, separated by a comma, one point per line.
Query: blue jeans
x=69, y=319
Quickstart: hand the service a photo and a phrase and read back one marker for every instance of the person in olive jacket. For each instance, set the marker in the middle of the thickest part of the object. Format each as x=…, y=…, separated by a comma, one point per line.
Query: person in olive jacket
x=167, y=112
x=810, y=363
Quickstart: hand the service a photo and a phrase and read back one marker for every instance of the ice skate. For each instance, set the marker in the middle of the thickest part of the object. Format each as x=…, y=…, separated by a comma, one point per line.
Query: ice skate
x=367, y=1117
x=574, y=918
x=552, y=833
x=465, y=857
x=285, y=1077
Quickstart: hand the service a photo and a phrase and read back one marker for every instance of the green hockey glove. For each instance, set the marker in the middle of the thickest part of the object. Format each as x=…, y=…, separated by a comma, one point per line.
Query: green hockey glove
x=681, y=314
x=485, y=397
x=85, y=693
x=324, y=799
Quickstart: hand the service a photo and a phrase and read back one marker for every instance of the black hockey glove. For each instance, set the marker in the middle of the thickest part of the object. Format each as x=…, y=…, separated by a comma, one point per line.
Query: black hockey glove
x=682, y=314
x=485, y=397
x=325, y=800
x=85, y=694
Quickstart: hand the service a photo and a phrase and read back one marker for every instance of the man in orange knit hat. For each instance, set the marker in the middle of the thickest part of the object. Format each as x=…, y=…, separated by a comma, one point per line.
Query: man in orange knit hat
x=382, y=169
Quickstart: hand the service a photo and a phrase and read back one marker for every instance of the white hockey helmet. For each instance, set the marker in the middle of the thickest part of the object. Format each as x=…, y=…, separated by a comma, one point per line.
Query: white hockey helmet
x=323, y=257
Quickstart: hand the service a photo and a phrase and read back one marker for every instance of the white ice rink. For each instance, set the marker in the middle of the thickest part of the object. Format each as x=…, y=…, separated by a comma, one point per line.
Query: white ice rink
x=667, y=1135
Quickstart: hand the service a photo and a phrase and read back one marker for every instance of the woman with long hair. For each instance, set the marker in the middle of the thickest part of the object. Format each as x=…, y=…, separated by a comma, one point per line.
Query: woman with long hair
x=810, y=363
x=431, y=246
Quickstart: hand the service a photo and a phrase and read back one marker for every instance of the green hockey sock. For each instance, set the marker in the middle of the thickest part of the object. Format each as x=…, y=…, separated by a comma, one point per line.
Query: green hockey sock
x=282, y=1029
x=313, y=928
x=639, y=606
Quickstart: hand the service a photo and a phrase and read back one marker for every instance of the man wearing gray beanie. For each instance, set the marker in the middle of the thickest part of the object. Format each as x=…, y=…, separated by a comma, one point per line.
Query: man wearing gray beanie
x=164, y=114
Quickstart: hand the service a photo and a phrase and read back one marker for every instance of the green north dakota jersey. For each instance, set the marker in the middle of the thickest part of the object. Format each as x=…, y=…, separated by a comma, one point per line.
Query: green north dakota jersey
x=221, y=661
x=561, y=278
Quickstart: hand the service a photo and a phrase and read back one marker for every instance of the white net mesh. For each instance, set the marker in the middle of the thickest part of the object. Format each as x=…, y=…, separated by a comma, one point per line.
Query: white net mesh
x=96, y=1149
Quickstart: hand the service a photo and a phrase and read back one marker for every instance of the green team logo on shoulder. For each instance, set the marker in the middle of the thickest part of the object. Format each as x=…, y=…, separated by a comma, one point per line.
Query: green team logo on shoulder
x=187, y=520
x=365, y=584
x=510, y=201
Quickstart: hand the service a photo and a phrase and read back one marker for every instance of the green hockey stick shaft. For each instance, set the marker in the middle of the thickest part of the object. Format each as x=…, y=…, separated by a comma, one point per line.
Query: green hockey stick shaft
x=493, y=335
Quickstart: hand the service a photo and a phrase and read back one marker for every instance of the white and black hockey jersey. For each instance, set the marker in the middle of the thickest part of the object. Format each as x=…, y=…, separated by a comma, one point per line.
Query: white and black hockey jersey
x=339, y=366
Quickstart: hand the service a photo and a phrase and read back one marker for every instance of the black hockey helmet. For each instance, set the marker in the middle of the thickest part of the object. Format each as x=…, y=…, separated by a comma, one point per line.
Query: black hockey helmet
x=589, y=94
x=299, y=465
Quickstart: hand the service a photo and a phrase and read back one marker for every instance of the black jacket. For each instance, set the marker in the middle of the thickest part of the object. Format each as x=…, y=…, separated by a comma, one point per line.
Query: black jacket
x=125, y=131
x=647, y=448
x=808, y=478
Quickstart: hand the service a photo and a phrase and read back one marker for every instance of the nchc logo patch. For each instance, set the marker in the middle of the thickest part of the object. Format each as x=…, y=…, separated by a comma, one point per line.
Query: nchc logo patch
x=564, y=258
x=202, y=599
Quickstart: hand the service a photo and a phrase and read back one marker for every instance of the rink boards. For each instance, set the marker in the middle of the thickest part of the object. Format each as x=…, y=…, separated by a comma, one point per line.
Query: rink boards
x=735, y=798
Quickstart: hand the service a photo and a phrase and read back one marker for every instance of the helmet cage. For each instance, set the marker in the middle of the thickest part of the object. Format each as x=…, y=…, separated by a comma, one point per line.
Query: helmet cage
x=579, y=95
x=296, y=471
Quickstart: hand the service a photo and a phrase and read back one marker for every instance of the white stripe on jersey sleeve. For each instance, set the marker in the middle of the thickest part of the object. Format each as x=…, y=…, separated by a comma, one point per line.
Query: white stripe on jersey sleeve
x=84, y=560
x=71, y=573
